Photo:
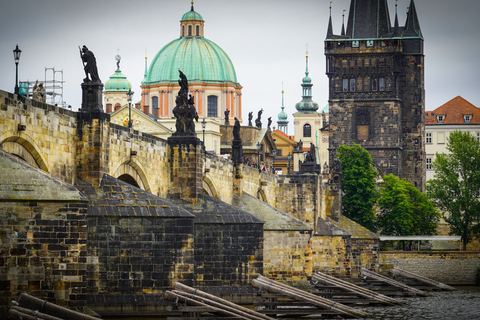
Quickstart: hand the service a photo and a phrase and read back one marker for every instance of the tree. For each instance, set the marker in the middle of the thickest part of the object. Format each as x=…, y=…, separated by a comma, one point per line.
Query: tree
x=404, y=210
x=358, y=185
x=455, y=188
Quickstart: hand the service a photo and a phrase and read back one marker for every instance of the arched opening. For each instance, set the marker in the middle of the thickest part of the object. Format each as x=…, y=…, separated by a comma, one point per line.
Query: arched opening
x=25, y=150
x=128, y=179
x=212, y=105
x=307, y=130
x=209, y=188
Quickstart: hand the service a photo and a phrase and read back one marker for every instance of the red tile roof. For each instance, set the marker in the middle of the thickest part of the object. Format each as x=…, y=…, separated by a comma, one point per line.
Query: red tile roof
x=453, y=112
x=286, y=136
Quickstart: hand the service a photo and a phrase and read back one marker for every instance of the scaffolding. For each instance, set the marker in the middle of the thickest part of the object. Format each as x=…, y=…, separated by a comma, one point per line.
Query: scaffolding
x=53, y=87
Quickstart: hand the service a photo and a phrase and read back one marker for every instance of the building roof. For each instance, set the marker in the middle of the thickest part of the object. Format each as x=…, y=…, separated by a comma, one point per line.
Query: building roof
x=192, y=15
x=118, y=82
x=454, y=112
x=368, y=19
x=200, y=59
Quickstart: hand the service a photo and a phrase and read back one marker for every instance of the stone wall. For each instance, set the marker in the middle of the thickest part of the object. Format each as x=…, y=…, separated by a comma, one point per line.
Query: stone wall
x=455, y=268
x=48, y=141
x=43, y=251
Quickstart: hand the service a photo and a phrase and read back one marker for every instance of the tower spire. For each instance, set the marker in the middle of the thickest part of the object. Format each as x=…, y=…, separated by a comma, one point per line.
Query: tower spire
x=396, y=26
x=306, y=105
x=282, y=118
x=145, y=75
x=368, y=19
x=412, y=26
x=330, y=26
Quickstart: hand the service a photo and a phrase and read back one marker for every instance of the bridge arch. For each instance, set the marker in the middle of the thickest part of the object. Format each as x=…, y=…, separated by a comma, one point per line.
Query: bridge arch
x=209, y=187
x=261, y=195
x=24, y=147
x=129, y=170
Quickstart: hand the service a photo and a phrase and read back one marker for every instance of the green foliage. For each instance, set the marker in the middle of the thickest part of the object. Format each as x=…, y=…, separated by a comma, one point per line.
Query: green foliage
x=358, y=184
x=455, y=188
x=404, y=210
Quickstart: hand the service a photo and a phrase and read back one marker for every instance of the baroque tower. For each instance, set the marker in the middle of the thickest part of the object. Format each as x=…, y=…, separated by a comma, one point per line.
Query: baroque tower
x=376, y=88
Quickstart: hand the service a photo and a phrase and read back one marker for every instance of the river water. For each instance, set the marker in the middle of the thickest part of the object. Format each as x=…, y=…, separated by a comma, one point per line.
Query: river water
x=462, y=304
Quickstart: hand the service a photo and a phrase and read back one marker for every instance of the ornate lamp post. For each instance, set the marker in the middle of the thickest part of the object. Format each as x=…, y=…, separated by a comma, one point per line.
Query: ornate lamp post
x=204, y=125
x=289, y=157
x=16, y=57
x=274, y=153
x=129, y=99
x=259, y=146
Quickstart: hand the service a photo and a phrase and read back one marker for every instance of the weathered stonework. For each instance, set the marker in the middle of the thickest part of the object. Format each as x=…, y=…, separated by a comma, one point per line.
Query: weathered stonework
x=455, y=268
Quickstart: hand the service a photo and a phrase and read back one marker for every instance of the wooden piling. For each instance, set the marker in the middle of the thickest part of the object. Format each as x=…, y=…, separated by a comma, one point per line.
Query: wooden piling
x=422, y=279
x=402, y=286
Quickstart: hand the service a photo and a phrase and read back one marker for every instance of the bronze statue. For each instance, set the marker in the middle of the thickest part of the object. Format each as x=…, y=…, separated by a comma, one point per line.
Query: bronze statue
x=250, y=117
x=258, y=121
x=89, y=65
x=227, y=112
x=236, y=130
x=184, y=110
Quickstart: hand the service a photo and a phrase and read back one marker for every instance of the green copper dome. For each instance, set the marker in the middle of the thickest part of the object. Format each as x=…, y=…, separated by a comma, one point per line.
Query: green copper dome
x=307, y=105
x=200, y=59
x=282, y=115
x=118, y=82
x=192, y=15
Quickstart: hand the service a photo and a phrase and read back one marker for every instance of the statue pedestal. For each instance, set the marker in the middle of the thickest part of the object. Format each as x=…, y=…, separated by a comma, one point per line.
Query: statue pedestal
x=92, y=96
x=237, y=151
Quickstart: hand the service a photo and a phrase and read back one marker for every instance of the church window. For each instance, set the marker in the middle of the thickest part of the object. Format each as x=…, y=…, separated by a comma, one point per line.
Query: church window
x=212, y=102
x=154, y=104
x=428, y=138
x=307, y=130
x=183, y=31
x=352, y=85
x=381, y=84
x=197, y=30
x=189, y=31
x=345, y=85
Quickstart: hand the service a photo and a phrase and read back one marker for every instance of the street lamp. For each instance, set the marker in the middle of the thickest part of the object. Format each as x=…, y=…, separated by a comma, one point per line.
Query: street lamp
x=204, y=125
x=259, y=146
x=274, y=153
x=289, y=157
x=16, y=57
x=129, y=99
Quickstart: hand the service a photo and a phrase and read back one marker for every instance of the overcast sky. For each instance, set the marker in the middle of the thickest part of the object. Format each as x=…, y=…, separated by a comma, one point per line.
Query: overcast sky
x=265, y=40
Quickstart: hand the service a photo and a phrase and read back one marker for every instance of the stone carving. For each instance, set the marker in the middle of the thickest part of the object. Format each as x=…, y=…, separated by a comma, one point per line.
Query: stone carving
x=300, y=145
x=39, y=92
x=258, y=121
x=89, y=65
x=237, y=148
x=269, y=123
x=310, y=157
x=250, y=117
x=227, y=112
x=184, y=110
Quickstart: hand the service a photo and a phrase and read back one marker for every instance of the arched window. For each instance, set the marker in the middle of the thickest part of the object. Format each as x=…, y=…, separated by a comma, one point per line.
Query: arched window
x=307, y=130
x=212, y=102
x=197, y=30
x=183, y=31
x=189, y=31
x=154, y=104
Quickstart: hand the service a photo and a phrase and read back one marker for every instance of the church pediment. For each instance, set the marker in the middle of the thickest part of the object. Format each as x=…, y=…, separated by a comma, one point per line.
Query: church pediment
x=140, y=121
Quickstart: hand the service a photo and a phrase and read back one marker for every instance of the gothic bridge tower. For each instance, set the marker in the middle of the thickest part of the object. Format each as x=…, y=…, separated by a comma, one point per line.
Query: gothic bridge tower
x=376, y=88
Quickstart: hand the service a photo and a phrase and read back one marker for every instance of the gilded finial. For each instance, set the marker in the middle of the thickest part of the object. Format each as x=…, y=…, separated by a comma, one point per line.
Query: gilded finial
x=306, y=52
x=331, y=7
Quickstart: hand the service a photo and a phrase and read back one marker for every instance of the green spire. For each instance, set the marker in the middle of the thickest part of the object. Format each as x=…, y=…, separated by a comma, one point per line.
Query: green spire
x=306, y=105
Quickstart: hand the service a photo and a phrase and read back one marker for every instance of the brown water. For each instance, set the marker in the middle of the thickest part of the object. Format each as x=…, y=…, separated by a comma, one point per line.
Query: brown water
x=462, y=304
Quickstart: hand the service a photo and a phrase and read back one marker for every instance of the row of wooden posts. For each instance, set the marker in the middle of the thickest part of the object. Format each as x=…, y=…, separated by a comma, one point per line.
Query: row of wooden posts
x=191, y=302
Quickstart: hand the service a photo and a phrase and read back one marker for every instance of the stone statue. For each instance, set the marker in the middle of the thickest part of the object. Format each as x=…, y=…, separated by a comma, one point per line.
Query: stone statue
x=89, y=65
x=236, y=130
x=300, y=145
x=258, y=121
x=184, y=110
x=269, y=123
x=310, y=157
x=250, y=117
x=227, y=112
x=39, y=92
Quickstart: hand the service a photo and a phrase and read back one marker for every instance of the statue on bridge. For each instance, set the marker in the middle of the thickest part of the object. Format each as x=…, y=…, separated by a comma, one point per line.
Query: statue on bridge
x=258, y=121
x=250, y=117
x=184, y=110
x=89, y=65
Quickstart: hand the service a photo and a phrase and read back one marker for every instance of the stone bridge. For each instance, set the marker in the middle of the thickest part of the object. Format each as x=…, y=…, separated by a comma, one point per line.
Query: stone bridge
x=68, y=145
